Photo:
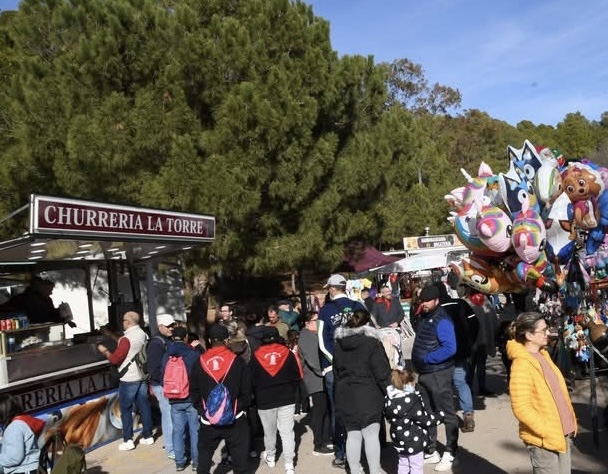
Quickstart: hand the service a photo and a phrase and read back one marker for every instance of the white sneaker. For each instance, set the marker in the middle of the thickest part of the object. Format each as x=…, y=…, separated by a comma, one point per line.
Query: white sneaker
x=289, y=469
x=268, y=460
x=149, y=440
x=128, y=445
x=432, y=458
x=446, y=462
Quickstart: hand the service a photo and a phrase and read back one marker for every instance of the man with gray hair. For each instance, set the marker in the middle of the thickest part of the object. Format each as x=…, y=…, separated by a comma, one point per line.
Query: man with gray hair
x=132, y=388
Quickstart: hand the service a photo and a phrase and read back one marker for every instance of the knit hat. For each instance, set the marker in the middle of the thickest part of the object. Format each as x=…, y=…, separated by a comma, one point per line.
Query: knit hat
x=218, y=332
x=429, y=293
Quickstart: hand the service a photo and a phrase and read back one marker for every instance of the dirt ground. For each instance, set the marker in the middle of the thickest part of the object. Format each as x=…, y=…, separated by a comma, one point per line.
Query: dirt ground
x=493, y=448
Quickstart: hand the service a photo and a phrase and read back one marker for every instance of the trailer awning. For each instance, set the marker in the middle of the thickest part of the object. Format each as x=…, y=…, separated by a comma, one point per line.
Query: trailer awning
x=63, y=229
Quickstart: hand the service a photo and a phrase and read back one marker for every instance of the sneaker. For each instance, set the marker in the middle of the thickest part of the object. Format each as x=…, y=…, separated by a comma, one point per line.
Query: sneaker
x=128, y=445
x=171, y=456
x=149, y=440
x=433, y=458
x=339, y=463
x=180, y=467
x=289, y=469
x=194, y=466
x=446, y=462
x=469, y=423
x=322, y=451
x=268, y=460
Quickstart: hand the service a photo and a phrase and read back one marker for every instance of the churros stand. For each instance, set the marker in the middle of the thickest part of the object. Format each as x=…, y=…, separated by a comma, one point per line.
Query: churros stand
x=62, y=380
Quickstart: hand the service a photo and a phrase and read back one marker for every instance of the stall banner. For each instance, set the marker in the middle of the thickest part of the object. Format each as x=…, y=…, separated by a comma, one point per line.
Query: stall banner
x=431, y=242
x=52, y=215
x=90, y=423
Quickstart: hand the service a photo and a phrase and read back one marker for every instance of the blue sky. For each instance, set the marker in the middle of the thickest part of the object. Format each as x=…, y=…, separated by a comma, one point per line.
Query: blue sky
x=535, y=60
x=514, y=59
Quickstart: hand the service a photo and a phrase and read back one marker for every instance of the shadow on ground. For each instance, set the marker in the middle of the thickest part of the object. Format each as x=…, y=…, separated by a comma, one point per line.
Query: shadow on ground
x=467, y=462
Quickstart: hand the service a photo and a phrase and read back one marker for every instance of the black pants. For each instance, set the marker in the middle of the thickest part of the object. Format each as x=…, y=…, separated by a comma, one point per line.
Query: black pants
x=237, y=441
x=319, y=421
x=438, y=395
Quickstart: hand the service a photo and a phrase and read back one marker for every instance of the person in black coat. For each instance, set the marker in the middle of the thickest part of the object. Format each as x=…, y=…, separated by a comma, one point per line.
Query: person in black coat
x=362, y=374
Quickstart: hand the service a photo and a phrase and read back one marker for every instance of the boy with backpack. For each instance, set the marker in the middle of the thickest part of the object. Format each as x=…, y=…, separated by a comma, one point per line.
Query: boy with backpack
x=179, y=360
x=220, y=390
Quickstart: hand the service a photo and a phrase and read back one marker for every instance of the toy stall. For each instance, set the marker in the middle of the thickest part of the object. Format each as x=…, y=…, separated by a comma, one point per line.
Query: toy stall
x=540, y=227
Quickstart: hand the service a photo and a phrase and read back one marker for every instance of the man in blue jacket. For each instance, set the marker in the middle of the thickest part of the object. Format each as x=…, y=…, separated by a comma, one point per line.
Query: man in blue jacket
x=433, y=356
x=334, y=314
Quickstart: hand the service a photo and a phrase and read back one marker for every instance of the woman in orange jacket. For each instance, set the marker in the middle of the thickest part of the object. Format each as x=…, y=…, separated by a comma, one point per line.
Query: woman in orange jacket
x=539, y=397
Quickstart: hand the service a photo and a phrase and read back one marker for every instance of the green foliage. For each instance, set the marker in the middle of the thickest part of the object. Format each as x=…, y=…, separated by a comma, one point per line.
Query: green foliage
x=240, y=109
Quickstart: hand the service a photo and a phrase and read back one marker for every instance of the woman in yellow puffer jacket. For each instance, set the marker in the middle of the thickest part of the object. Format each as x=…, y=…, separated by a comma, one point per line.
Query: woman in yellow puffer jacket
x=539, y=397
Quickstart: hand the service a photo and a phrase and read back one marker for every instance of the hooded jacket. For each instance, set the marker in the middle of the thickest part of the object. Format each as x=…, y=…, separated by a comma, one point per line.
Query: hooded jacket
x=409, y=421
x=532, y=401
x=361, y=374
x=20, y=451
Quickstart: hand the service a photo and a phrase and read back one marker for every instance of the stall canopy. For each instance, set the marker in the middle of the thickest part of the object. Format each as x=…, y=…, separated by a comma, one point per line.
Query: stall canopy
x=361, y=258
x=423, y=261
x=63, y=229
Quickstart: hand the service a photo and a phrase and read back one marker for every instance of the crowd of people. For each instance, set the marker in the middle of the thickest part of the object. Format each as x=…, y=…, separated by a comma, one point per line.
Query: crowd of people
x=256, y=372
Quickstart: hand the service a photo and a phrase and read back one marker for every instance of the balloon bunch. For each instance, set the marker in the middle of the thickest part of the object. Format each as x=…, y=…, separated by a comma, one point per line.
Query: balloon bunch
x=523, y=225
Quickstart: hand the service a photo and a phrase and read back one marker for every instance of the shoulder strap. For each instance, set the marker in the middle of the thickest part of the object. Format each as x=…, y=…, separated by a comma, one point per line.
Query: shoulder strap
x=210, y=374
x=126, y=367
x=162, y=339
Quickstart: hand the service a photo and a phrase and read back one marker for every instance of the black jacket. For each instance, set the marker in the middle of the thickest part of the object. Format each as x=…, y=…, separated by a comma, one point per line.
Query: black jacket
x=276, y=375
x=361, y=375
x=466, y=323
x=409, y=421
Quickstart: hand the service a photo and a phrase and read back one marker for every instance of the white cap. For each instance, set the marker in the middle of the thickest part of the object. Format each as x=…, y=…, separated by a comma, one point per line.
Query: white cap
x=335, y=280
x=165, y=319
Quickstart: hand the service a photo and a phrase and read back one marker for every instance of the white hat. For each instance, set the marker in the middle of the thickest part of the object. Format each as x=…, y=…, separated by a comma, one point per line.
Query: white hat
x=335, y=280
x=165, y=319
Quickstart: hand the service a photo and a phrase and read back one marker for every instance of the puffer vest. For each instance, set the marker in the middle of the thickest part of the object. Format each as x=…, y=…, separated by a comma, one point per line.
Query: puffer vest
x=426, y=341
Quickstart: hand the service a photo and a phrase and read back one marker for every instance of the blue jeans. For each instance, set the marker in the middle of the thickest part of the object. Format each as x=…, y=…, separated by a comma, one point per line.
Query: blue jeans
x=134, y=395
x=165, y=417
x=462, y=373
x=184, y=414
x=338, y=432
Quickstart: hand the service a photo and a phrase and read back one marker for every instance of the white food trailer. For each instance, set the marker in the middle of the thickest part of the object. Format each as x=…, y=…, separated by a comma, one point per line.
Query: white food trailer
x=57, y=372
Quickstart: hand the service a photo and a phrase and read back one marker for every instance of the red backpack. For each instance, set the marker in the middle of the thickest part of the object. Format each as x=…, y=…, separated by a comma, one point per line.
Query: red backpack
x=176, y=385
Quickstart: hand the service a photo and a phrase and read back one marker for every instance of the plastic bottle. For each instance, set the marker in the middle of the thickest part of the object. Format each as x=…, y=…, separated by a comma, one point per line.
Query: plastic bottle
x=11, y=344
